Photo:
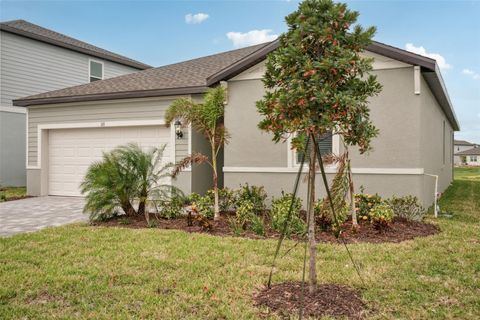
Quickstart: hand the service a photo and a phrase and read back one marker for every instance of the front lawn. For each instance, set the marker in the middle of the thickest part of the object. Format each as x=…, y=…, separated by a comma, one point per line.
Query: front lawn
x=90, y=272
x=12, y=193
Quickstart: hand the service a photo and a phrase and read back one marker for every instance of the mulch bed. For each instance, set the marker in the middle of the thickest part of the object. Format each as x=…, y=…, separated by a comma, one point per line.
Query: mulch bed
x=332, y=300
x=400, y=230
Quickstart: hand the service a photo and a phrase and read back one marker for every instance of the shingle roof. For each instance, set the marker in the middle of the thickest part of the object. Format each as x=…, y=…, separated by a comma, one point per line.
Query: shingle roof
x=33, y=31
x=190, y=74
x=462, y=143
x=194, y=76
x=469, y=152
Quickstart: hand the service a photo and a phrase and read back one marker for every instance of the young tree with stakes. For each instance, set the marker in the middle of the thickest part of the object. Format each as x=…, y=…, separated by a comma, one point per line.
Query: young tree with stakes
x=205, y=118
x=318, y=83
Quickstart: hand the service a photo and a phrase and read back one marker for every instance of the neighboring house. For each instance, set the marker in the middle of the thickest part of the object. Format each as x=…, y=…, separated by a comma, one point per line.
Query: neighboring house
x=68, y=128
x=34, y=60
x=459, y=146
x=470, y=157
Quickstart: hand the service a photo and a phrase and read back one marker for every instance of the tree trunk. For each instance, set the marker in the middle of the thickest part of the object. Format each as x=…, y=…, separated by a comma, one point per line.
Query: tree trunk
x=352, y=194
x=128, y=208
x=215, y=185
x=142, y=210
x=311, y=220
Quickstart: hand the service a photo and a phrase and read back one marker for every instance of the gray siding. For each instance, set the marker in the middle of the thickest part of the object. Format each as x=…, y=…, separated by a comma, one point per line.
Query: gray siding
x=31, y=67
x=115, y=110
x=12, y=149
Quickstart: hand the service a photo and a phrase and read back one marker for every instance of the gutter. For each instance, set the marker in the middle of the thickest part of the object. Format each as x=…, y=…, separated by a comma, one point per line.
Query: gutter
x=111, y=96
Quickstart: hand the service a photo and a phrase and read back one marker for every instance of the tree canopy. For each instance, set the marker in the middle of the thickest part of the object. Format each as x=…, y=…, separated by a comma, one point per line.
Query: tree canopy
x=318, y=81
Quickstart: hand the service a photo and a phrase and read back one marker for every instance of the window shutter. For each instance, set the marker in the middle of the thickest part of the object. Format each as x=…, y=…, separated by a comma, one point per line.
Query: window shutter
x=325, y=143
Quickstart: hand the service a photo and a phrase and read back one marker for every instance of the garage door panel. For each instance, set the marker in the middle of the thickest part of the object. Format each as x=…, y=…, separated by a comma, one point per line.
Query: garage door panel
x=71, y=151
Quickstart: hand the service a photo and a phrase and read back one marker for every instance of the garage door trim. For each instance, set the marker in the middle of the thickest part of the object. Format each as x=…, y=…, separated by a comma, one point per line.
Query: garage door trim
x=97, y=124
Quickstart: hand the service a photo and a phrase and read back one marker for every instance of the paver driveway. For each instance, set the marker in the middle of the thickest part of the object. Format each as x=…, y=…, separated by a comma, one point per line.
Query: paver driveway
x=32, y=214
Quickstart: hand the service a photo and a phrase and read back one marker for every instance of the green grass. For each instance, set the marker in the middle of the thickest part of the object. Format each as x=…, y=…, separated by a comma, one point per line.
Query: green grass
x=103, y=273
x=7, y=193
x=465, y=173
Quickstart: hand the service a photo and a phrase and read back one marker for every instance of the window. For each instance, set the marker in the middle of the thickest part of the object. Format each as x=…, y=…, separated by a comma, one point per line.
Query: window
x=95, y=70
x=473, y=158
x=325, y=144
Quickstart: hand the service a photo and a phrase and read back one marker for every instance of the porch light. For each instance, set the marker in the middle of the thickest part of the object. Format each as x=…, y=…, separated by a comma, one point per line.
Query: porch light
x=178, y=129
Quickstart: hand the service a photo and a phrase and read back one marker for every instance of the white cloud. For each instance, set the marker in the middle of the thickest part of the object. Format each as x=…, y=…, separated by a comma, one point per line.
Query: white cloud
x=243, y=39
x=196, y=18
x=442, y=63
x=472, y=73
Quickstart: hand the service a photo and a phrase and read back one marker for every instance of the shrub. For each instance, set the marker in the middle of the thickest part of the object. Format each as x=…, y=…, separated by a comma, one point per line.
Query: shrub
x=171, y=208
x=280, y=210
x=364, y=204
x=247, y=219
x=235, y=226
x=256, y=195
x=381, y=215
x=203, y=204
x=324, y=215
x=193, y=197
x=258, y=225
x=245, y=212
x=226, y=198
x=407, y=207
x=203, y=222
x=125, y=175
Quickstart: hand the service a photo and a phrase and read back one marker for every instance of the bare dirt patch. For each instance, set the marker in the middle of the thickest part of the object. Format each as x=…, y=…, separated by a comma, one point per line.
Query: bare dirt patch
x=398, y=231
x=332, y=300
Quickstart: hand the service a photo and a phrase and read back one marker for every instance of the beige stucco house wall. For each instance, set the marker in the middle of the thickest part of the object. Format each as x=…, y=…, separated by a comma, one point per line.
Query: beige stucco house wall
x=415, y=139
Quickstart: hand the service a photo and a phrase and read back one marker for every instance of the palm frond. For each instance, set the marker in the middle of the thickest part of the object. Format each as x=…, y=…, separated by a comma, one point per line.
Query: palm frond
x=187, y=161
x=182, y=108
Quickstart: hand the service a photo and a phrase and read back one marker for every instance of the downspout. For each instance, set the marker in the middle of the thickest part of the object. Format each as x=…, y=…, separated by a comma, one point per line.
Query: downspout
x=435, y=195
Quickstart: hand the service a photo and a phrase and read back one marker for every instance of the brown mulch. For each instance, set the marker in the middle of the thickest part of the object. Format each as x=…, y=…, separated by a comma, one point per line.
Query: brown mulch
x=398, y=231
x=332, y=300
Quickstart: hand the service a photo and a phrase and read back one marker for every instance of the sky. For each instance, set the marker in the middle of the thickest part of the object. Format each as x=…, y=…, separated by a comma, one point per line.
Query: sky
x=163, y=32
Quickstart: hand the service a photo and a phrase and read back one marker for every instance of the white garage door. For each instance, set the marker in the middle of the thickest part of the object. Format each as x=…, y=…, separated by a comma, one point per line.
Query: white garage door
x=71, y=151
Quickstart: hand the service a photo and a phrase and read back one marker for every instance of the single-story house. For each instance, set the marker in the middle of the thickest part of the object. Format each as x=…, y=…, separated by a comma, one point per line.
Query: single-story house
x=459, y=146
x=68, y=128
x=470, y=157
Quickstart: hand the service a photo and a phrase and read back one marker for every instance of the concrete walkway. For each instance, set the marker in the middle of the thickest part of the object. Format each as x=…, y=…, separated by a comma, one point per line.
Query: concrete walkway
x=33, y=214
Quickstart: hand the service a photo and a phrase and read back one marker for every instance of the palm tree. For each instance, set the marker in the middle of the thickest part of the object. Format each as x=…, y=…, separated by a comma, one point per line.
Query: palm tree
x=150, y=174
x=207, y=119
x=108, y=185
x=123, y=176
